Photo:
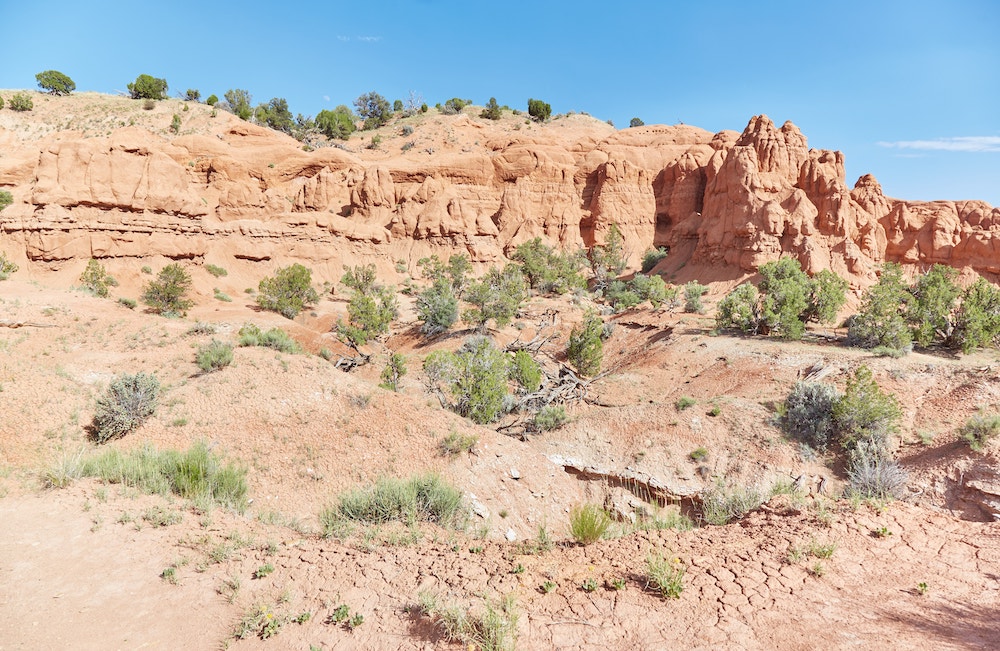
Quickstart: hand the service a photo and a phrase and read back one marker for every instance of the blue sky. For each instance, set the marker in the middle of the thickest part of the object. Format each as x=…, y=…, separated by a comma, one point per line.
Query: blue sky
x=909, y=91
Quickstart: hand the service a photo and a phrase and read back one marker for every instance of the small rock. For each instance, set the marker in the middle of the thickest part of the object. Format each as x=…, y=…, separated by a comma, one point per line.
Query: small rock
x=511, y=535
x=480, y=509
x=515, y=473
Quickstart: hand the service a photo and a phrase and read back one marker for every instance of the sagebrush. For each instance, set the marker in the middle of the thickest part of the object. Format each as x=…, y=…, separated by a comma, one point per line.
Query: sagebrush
x=127, y=402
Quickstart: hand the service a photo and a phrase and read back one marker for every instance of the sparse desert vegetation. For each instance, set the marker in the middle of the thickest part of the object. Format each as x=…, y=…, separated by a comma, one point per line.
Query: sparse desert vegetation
x=606, y=425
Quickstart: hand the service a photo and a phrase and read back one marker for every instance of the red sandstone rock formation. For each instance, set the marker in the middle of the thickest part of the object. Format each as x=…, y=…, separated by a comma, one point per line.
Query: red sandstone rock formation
x=732, y=199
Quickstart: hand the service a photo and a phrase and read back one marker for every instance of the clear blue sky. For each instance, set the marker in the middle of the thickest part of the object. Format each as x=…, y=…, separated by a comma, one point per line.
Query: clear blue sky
x=908, y=90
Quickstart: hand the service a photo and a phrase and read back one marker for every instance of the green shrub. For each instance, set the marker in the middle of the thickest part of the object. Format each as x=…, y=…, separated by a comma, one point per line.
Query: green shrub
x=1, y=102
x=525, y=371
x=220, y=295
x=550, y=417
x=640, y=289
x=193, y=95
x=979, y=429
x=421, y=498
x=880, y=321
x=127, y=302
x=374, y=109
x=196, y=474
x=740, y=310
x=127, y=402
x=828, y=293
x=722, y=504
x=539, y=110
x=288, y=292
x=276, y=338
x=652, y=258
x=586, y=347
x=259, y=622
x=456, y=443
x=360, y=278
x=455, y=105
x=493, y=630
x=147, y=87
x=21, y=102
x=655, y=290
x=492, y=110
x=275, y=114
x=888, y=351
x=808, y=414
x=456, y=272
x=608, y=260
x=369, y=316
x=498, y=295
x=684, y=402
x=931, y=304
x=620, y=296
x=338, y=123
x=167, y=294
x=212, y=100
x=95, y=279
x=394, y=370
x=175, y=124
x=784, y=302
x=665, y=576
x=6, y=198
x=214, y=356
x=55, y=82
x=6, y=266
x=548, y=271
x=239, y=102
x=785, y=290
x=437, y=308
x=865, y=415
x=475, y=377
x=693, y=291
x=588, y=523
x=636, y=122
x=977, y=321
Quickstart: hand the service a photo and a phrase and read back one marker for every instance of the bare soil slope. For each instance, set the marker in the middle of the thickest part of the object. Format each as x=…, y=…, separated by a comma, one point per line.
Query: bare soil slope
x=75, y=560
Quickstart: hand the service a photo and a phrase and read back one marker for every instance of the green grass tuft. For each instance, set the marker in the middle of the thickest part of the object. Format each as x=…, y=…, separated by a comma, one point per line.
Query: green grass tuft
x=195, y=474
x=421, y=498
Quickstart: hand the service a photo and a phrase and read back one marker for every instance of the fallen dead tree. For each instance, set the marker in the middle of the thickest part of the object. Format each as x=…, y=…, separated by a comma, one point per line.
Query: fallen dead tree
x=25, y=324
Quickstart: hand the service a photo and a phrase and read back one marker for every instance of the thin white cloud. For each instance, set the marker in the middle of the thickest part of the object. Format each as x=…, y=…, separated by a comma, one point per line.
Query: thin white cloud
x=362, y=39
x=965, y=143
x=326, y=98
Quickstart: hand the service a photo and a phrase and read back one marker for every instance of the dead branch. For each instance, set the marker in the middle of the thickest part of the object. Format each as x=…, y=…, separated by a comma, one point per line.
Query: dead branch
x=349, y=363
x=545, y=331
x=25, y=324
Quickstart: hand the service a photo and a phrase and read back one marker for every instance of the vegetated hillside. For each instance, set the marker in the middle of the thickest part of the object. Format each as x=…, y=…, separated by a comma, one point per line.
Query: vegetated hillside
x=680, y=426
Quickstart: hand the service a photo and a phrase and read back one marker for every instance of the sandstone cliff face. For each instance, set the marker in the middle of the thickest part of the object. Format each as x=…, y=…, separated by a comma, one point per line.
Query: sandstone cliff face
x=731, y=199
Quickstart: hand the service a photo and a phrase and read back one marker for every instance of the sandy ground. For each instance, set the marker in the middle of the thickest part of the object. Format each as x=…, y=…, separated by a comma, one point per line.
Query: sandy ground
x=81, y=568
